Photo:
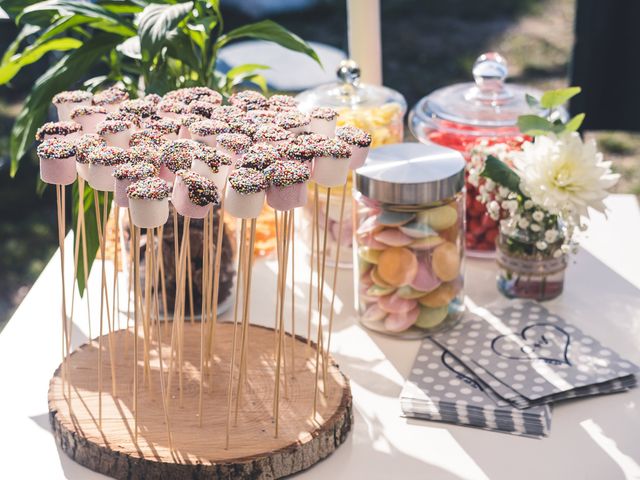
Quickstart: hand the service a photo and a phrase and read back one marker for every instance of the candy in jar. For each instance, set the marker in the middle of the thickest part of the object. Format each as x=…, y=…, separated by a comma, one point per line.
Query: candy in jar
x=409, y=239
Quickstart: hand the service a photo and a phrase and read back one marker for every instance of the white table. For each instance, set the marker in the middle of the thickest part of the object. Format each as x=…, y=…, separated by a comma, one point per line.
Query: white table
x=596, y=438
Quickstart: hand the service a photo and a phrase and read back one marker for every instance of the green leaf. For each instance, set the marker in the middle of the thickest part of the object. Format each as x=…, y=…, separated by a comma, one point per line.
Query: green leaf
x=555, y=98
x=532, y=101
x=156, y=22
x=15, y=45
x=91, y=228
x=59, y=77
x=575, y=123
x=79, y=7
x=34, y=53
x=121, y=7
x=501, y=174
x=130, y=48
x=61, y=25
x=270, y=31
x=256, y=79
x=247, y=68
x=534, y=125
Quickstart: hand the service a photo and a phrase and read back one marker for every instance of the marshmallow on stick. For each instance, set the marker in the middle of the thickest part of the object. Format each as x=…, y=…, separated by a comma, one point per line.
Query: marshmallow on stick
x=272, y=135
x=176, y=155
x=249, y=100
x=246, y=193
x=193, y=195
x=111, y=98
x=129, y=173
x=167, y=127
x=67, y=101
x=192, y=94
x=62, y=130
x=186, y=121
x=261, y=117
x=207, y=131
x=279, y=103
x=139, y=107
x=147, y=138
x=359, y=141
x=212, y=164
x=294, y=121
x=233, y=144
x=331, y=164
x=116, y=133
x=259, y=156
x=323, y=121
x=149, y=202
x=84, y=146
x=145, y=154
x=288, y=184
x=102, y=164
x=57, y=161
x=173, y=109
x=89, y=117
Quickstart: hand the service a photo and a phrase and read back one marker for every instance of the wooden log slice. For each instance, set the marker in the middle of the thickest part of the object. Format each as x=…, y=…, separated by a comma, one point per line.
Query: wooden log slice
x=198, y=451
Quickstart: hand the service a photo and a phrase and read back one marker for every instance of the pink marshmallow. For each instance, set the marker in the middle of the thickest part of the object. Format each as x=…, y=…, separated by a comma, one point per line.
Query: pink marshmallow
x=149, y=213
x=287, y=198
x=183, y=204
x=120, y=195
x=100, y=177
x=58, y=171
x=358, y=156
x=244, y=205
x=329, y=171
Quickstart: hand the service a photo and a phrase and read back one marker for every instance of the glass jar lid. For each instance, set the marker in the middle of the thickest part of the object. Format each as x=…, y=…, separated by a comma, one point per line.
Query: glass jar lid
x=411, y=174
x=488, y=102
x=349, y=92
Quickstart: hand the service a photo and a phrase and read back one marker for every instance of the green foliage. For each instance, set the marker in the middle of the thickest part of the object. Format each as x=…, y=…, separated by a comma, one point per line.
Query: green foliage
x=162, y=45
x=550, y=101
x=501, y=173
x=556, y=98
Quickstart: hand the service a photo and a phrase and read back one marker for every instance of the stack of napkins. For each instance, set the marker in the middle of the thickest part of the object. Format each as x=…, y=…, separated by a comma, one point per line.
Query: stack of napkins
x=500, y=369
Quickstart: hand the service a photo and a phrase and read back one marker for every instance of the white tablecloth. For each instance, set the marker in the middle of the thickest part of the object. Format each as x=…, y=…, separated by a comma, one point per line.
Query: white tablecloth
x=596, y=438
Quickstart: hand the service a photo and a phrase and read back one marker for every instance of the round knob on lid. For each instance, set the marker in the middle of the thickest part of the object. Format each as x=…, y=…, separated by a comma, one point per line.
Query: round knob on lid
x=349, y=72
x=490, y=72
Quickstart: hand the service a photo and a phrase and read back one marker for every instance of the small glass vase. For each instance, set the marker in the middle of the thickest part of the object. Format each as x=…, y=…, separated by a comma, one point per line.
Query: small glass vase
x=533, y=276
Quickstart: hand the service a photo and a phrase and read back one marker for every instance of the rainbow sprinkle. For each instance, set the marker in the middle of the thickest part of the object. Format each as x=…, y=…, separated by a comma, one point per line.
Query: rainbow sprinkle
x=246, y=181
x=271, y=133
x=177, y=154
x=144, y=154
x=113, y=126
x=86, y=144
x=56, y=149
x=150, y=188
x=108, y=156
x=204, y=128
x=135, y=171
x=72, y=96
x=259, y=156
x=236, y=142
x=354, y=136
x=287, y=173
x=292, y=119
x=57, y=128
x=249, y=100
x=110, y=96
x=202, y=191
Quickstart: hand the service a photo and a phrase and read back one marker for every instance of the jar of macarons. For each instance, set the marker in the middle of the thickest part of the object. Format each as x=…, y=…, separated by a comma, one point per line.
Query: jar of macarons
x=409, y=238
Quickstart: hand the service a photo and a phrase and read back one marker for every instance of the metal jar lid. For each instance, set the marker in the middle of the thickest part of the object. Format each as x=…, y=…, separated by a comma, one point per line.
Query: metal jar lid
x=411, y=174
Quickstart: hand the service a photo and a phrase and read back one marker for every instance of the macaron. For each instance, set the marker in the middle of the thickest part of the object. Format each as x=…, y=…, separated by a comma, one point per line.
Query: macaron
x=375, y=278
x=399, y=322
x=439, y=218
x=431, y=317
x=445, y=261
x=409, y=292
x=378, y=291
x=397, y=266
x=395, y=304
x=417, y=230
x=427, y=243
x=393, y=237
x=373, y=314
x=369, y=255
x=440, y=297
x=394, y=219
x=425, y=280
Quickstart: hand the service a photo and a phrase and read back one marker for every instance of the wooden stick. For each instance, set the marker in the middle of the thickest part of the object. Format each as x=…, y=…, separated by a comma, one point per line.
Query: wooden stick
x=115, y=295
x=312, y=254
x=293, y=293
x=146, y=324
x=335, y=279
x=203, y=317
x=183, y=258
x=130, y=289
x=278, y=282
x=83, y=231
x=136, y=324
x=190, y=280
x=321, y=303
x=216, y=279
x=243, y=232
x=163, y=285
x=60, y=201
x=96, y=202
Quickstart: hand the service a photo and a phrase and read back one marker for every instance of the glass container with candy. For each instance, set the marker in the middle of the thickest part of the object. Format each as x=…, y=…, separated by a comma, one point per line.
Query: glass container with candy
x=470, y=117
x=409, y=239
x=377, y=110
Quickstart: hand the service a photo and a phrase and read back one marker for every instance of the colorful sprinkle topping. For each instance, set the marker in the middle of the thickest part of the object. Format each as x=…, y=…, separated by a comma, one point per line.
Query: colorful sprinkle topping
x=150, y=188
x=153, y=98
x=113, y=126
x=204, y=128
x=127, y=116
x=172, y=106
x=147, y=137
x=56, y=149
x=335, y=148
x=188, y=119
x=86, y=144
x=164, y=125
x=212, y=157
x=177, y=154
x=108, y=156
x=287, y=173
x=236, y=142
x=292, y=119
x=248, y=180
x=243, y=127
x=229, y=113
x=135, y=171
x=324, y=113
x=202, y=191
x=57, y=128
x=192, y=94
x=271, y=133
x=199, y=107
x=259, y=156
x=282, y=102
x=249, y=100
x=260, y=116
x=110, y=96
x=142, y=108
x=144, y=154
x=354, y=136
x=72, y=96
x=302, y=152
x=88, y=110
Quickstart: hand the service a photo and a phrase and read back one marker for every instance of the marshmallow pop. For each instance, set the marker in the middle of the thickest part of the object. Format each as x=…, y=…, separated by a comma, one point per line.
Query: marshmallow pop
x=57, y=161
x=212, y=164
x=233, y=144
x=259, y=156
x=145, y=154
x=272, y=135
x=138, y=107
x=186, y=121
x=207, y=131
x=279, y=103
x=61, y=130
x=116, y=133
x=192, y=94
x=294, y=121
x=147, y=137
x=111, y=98
x=89, y=117
x=331, y=165
x=176, y=155
x=193, y=194
x=102, y=165
x=168, y=108
x=358, y=140
x=246, y=193
x=249, y=100
x=67, y=101
x=168, y=128
x=149, y=202
x=129, y=173
x=288, y=184
x=84, y=146
x=261, y=117
x=323, y=121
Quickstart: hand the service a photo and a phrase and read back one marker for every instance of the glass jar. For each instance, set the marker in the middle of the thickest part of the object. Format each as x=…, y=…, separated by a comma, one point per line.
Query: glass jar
x=377, y=110
x=464, y=116
x=409, y=238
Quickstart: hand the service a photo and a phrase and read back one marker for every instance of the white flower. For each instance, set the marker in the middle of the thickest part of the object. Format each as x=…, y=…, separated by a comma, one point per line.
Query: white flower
x=493, y=208
x=538, y=216
x=523, y=223
x=534, y=227
x=541, y=245
x=528, y=204
x=503, y=191
x=564, y=175
x=558, y=253
x=551, y=235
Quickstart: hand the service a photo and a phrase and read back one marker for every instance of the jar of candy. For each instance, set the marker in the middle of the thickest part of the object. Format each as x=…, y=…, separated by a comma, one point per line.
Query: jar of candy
x=375, y=109
x=472, y=117
x=409, y=239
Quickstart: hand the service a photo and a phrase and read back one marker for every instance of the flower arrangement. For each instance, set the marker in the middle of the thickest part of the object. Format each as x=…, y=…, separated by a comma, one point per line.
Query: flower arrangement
x=542, y=194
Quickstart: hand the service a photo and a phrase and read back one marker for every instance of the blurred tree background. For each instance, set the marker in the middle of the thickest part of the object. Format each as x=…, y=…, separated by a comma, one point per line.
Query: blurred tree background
x=426, y=44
